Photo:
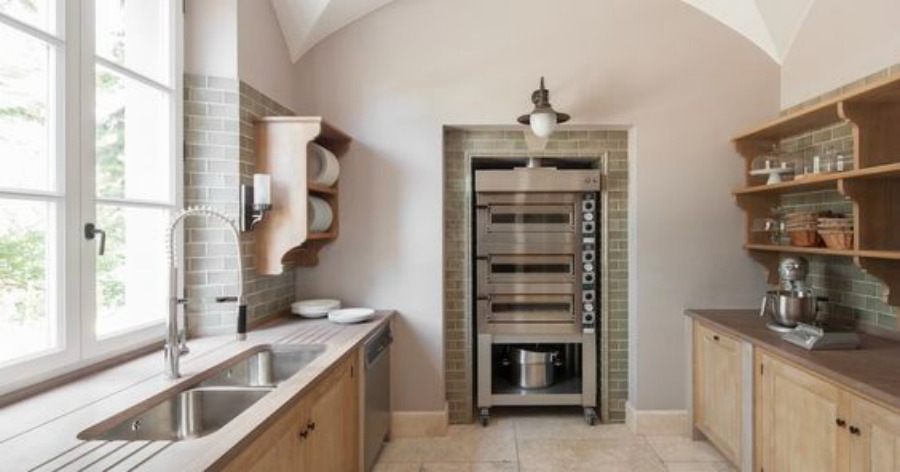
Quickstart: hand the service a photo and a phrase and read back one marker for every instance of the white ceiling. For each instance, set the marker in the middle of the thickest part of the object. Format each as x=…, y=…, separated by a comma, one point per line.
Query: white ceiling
x=770, y=24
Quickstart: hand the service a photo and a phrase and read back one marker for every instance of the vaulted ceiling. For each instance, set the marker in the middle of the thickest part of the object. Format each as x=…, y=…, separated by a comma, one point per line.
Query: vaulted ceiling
x=770, y=24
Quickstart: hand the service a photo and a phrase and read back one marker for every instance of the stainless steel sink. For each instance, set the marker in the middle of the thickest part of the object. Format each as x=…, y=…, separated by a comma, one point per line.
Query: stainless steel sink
x=203, y=407
x=189, y=414
x=266, y=366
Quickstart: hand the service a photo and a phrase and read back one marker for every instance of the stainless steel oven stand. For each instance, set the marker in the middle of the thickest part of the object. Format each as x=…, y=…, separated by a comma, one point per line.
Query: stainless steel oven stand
x=579, y=391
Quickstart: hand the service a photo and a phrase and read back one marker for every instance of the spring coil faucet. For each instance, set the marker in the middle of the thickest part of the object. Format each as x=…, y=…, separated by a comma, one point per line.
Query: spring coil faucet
x=172, y=349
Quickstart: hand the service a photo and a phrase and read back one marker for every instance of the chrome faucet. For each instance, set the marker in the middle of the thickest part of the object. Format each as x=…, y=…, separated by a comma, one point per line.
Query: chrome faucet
x=175, y=338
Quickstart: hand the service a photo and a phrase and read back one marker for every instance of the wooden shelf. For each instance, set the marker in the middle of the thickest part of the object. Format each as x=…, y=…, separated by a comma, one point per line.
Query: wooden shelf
x=873, y=114
x=282, y=147
x=883, y=92
x=823, y=181
x=321, y=189
x=321, y=236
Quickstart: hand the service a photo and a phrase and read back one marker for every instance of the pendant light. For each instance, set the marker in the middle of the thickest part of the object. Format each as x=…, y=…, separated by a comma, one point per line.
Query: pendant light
x=543, y=119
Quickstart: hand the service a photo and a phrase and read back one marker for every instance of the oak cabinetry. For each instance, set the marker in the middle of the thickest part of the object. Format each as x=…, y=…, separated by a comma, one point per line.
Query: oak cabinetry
x=797, y=420
x=806, y=423
x=717, y=390
x=319, y=432
x=874, y=437
x=282, y=150
x=874, y=186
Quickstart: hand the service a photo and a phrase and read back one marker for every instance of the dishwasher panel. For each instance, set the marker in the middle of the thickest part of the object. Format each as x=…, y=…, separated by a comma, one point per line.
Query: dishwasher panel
x=377, y=395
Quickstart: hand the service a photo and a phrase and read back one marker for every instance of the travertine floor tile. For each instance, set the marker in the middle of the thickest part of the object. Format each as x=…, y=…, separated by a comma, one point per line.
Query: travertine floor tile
x=699, y=467
x=570, y=427
x=382, y=466
x=470, y=467
x=571, y=455
x=463, y=443
x=683, y=449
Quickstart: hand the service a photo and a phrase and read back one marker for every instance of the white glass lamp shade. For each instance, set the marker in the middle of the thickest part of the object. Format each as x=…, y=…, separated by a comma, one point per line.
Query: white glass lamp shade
x=262, y=189
x=543, y=123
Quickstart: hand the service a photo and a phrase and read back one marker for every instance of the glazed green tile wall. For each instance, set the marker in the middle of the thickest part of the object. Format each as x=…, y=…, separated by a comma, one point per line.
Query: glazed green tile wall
x=851, y=292
x=459, y=147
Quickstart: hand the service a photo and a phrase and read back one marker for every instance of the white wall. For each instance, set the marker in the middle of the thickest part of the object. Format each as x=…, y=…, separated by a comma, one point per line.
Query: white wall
x=263, y=58
x=684, y=81
x=210, y=38
x=840, y=42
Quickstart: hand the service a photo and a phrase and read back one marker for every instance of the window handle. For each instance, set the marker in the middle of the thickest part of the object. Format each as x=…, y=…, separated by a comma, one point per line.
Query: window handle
x=90, y=231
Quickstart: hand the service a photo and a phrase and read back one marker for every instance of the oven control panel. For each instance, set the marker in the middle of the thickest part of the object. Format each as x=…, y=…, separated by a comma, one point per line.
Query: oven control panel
x=589, y=263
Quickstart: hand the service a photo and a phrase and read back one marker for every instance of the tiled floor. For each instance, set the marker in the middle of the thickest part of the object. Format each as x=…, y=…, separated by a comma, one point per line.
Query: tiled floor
x=548, y=442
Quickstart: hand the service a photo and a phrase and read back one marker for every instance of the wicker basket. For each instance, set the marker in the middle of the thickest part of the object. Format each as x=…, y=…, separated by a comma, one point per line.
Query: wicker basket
x=837, y=239
x=805, y=238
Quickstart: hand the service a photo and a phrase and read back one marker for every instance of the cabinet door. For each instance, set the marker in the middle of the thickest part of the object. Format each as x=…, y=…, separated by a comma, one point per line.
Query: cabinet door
x=718, y=390
x=279, y=448
x=875, y=441
x=797, y=415
x=333, y=442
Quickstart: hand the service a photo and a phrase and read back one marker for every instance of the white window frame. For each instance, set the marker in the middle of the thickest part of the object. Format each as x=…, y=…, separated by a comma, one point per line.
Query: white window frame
x=73, y=113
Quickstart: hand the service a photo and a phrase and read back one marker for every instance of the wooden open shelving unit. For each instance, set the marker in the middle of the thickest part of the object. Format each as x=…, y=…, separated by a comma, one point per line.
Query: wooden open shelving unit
x=282, y=149
x=873, y=187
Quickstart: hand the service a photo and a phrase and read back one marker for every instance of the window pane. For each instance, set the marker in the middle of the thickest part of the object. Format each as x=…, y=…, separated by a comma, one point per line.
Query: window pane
x=134, y=34
x=133, y=153
x=27, y=292
x=37, y=13
x=25, y=121
x=131, y=275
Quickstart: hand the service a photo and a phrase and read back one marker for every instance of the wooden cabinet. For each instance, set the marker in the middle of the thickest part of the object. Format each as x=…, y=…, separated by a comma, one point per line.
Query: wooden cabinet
x=333, y=442
x=874, y=186
x=282, y=148
x=874, y=437
x=319, y=432
x=718, y=387
x=796, y=420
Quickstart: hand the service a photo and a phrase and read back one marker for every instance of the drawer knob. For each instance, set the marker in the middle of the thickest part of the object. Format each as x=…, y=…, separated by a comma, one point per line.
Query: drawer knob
x=854, y=430
x=841, y=423
x=715, y=337
x=304, y=434
x=311, y=425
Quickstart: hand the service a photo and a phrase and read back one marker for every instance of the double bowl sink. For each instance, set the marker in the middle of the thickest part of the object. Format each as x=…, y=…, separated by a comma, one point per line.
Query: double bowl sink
x=203, y=407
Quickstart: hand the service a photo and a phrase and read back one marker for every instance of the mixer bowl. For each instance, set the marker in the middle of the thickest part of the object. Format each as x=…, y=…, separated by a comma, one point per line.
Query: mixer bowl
x=791, y=307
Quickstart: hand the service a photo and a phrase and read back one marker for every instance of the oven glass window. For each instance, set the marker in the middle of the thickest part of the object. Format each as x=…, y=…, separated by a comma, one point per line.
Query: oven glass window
x=531, y=218
x=531, y=307
x=531, y=268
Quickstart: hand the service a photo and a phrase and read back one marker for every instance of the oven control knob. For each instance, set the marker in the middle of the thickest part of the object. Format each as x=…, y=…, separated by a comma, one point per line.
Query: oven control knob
x=588, y=318
x=588, y=307
x=588, y=217
x=589, y=267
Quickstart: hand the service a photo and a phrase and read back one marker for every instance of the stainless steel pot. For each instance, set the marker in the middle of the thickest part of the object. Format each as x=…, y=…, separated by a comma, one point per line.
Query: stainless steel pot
x=789, y=307
x=533, y=367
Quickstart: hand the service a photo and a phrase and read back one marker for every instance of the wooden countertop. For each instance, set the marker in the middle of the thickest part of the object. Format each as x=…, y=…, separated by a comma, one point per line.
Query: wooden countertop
x=40, y=433
x=872, y=371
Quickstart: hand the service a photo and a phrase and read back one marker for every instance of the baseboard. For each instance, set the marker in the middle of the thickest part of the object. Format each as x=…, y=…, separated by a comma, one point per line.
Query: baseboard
x=420, y=424
x=656, y=422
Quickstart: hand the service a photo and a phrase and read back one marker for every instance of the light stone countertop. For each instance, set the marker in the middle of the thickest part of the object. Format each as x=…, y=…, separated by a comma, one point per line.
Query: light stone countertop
x=40, y=433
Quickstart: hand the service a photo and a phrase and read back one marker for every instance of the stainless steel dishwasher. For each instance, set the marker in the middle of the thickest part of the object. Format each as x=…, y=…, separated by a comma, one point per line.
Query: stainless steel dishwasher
x=377, y=414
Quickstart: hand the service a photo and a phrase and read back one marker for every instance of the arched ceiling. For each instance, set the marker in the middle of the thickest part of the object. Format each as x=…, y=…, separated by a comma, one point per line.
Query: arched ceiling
x=770, y=24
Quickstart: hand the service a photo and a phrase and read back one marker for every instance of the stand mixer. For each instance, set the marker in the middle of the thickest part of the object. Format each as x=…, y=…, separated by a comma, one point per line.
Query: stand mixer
x=793, y=302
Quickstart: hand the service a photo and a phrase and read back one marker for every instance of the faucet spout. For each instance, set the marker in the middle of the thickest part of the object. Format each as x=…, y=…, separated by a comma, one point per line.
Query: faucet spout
x=173, y=349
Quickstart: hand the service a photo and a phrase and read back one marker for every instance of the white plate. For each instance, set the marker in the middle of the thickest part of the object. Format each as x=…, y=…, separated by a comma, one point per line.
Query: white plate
x=315, y=308
x=351, y=315
x=328, y=169
x=322, y=215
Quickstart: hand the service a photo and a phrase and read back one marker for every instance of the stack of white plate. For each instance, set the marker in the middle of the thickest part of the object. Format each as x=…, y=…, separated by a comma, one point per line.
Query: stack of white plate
x=314, y=308
x=322, y=165
x=319, y=215
x=351, y=315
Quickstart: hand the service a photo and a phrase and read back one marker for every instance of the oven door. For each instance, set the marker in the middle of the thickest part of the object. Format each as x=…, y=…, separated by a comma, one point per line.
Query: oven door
x=526, y=313
x=513, y=218
x=516, y=273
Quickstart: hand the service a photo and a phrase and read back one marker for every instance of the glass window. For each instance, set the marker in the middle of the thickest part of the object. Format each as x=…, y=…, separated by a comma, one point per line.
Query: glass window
x=37, y=13
x=47, y=197
x=27, y=275
x=135, y=34
x=26, y=121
